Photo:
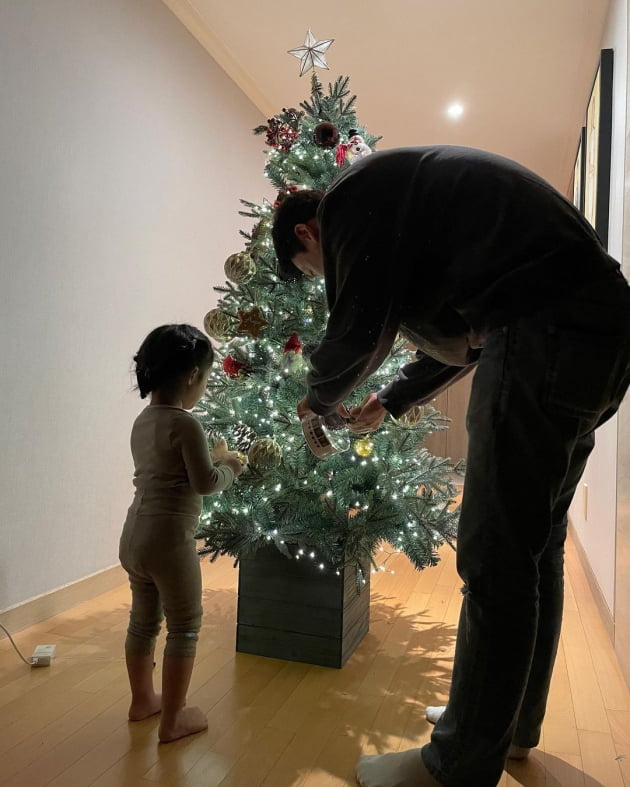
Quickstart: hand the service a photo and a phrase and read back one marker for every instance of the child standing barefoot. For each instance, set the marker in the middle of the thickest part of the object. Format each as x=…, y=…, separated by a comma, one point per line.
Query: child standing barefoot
x=173, y=469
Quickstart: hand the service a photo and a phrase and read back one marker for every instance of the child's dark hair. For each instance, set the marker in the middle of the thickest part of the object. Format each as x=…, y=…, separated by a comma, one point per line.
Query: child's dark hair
x=296, y=208
x=167, y=353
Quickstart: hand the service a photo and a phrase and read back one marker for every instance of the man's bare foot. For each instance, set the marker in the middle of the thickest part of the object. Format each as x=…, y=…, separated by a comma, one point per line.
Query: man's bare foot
x=187, y=721
x=399, y=769
x=142, y=709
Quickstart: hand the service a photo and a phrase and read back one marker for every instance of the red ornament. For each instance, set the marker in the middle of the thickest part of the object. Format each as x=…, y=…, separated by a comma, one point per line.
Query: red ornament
x=232, y=367
x=293, y=344
x=283, y=194
x=341, y=153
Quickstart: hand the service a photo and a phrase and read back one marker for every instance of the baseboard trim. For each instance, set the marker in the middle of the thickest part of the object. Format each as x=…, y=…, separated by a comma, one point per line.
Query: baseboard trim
x=33, y=611
x=600, y=602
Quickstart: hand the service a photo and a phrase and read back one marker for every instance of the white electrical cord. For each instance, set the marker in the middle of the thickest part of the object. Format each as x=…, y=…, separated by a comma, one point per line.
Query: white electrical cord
x=17, y=650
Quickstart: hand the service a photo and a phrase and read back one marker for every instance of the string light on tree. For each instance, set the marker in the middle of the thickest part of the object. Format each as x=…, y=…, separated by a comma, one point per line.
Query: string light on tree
x=273, y=328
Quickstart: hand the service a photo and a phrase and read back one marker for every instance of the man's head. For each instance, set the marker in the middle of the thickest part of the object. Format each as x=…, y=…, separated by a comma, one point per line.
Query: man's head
x=295, y=235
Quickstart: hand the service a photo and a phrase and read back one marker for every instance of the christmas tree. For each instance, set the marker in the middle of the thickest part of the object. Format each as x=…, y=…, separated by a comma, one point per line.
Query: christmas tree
x=385, y=487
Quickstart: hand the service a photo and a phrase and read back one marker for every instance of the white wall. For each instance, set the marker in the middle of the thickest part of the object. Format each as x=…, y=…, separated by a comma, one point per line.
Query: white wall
x=123, y=152
x=597, y=531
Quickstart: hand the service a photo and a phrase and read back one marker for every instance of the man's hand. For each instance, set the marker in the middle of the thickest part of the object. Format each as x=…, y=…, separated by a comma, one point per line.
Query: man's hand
x=303, y=410
x=368, y=416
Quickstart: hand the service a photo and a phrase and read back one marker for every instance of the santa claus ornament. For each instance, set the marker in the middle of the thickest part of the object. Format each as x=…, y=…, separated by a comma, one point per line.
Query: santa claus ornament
x=293, y=360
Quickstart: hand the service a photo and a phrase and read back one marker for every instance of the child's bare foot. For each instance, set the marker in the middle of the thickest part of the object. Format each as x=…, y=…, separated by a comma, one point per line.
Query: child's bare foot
x=142, y=709
x=187, y=721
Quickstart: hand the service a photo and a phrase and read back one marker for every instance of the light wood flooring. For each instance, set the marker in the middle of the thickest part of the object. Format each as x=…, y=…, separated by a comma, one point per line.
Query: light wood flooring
x=283, y=724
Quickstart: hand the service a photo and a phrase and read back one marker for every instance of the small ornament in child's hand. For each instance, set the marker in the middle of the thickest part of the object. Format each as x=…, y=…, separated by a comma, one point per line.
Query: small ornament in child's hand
x=251, y=322
x=326, y=135
x=217, y=324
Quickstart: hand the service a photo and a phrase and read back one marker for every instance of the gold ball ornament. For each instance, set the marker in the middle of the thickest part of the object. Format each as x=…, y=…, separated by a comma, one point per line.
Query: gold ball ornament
x=412, y=417
x=218, y=324
x=261, y=230
x=364, y=447
x=264, y=454
x=239, y=267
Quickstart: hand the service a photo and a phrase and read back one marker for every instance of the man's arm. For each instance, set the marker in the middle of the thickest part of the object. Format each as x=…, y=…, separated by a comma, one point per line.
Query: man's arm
x=420, y=381
x=362, y=327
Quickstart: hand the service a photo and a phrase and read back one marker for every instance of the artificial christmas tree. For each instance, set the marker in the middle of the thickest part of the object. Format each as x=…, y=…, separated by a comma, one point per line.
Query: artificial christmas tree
x=332, y=514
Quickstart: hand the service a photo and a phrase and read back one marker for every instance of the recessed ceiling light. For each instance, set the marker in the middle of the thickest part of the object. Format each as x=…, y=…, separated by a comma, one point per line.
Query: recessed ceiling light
x=455, y=110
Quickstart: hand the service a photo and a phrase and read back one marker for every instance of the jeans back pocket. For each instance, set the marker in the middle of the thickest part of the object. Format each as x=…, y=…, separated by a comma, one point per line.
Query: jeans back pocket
x=582, y=373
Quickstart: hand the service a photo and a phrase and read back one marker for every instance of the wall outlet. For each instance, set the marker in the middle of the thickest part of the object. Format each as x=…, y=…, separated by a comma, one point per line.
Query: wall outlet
x=43, y=655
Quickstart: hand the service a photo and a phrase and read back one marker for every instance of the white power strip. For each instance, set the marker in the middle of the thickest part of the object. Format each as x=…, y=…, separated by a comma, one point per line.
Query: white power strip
x=43, y=655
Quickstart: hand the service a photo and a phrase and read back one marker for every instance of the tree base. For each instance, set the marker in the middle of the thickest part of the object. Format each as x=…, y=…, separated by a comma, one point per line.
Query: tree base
x=293, y=610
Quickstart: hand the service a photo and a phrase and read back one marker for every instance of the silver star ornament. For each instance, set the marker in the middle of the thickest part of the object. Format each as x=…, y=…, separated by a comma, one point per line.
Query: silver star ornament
x=312, y=52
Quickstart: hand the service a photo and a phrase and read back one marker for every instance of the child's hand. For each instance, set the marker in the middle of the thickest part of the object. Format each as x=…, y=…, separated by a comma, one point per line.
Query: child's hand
x=219, y=450
x=221, y=455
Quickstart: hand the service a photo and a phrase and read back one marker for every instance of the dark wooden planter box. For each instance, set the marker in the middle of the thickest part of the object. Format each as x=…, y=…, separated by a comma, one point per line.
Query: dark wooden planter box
x=290, y=609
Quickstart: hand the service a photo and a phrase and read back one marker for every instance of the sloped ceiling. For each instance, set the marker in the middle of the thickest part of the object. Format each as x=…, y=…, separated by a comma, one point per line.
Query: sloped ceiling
x=522, y=69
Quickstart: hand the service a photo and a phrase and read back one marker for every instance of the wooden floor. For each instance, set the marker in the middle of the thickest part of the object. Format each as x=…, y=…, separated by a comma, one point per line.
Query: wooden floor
x=283, y=724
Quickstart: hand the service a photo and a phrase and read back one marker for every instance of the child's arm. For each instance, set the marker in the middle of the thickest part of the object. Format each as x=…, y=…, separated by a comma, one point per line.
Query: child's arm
x=205, y=478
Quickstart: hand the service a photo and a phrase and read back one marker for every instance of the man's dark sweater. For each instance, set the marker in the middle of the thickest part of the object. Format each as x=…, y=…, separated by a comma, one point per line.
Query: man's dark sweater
x=440, y=244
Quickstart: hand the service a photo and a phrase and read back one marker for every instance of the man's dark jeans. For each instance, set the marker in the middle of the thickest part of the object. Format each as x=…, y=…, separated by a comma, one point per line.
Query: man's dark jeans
x=543, y=385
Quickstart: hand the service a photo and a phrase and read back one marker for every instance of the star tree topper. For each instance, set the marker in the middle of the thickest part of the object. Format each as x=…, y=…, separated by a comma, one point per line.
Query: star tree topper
x=312, y=52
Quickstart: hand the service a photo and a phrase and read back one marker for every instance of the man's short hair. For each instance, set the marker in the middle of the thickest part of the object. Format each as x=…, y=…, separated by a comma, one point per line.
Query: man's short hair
x=296, y=208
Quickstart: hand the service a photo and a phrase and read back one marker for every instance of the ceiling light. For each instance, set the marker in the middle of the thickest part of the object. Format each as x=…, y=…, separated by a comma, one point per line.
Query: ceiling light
x=455, y=110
